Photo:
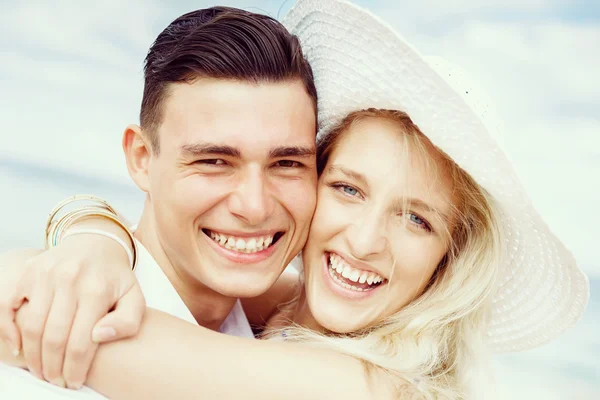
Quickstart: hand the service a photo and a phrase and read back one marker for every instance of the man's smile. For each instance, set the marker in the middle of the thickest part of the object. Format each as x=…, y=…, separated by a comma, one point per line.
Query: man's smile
x=247, y=243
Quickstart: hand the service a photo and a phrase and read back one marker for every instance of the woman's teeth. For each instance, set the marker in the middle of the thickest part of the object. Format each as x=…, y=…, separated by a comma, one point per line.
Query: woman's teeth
x=346, y=275
x=242, y=245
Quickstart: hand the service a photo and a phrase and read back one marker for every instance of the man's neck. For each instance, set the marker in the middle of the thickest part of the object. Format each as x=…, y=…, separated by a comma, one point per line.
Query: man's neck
x=208, y=307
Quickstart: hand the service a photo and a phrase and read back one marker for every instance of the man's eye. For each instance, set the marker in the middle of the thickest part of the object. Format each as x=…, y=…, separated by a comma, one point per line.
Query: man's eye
x=214, y=161
x=288, y=164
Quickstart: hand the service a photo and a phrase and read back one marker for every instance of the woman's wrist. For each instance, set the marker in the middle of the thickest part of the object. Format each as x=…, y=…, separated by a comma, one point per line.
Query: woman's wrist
x=89, y=215
x=101, y=229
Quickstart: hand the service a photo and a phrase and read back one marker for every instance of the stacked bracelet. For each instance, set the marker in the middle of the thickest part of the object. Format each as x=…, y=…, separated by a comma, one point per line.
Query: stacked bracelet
x=130, y=254
x=56, y=227
x=79, y=197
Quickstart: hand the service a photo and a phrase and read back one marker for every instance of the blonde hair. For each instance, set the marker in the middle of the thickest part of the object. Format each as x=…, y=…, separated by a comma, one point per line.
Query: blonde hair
x=435, y=344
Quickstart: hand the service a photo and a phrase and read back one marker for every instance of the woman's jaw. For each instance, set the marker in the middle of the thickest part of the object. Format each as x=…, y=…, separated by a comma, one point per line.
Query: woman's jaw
x=338, y=301
x=375, y=239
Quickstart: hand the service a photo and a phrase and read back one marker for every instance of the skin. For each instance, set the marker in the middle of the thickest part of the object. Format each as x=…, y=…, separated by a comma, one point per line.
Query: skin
x=389, y=232
x=235, y=157
x=245, y=154
x=382, y=211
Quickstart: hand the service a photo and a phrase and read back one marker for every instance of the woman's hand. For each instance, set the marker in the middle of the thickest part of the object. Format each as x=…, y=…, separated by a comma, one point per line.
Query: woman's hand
x=7, y=356
x=69, y=290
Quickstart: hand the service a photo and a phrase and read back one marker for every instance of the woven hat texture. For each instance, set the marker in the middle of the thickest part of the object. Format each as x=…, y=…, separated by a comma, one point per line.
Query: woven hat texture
x=359, y=62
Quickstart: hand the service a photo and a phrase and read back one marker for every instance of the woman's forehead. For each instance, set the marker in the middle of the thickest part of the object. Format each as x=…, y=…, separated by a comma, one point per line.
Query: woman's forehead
x=393, y=161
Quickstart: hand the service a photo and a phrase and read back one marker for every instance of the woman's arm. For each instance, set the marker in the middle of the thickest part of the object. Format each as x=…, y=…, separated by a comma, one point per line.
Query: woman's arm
x=171, y=358
x=74, y=286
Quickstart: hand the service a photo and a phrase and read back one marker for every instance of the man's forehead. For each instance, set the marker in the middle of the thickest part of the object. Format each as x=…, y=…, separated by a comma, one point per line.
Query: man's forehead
x=273, y=117
x=213, y=97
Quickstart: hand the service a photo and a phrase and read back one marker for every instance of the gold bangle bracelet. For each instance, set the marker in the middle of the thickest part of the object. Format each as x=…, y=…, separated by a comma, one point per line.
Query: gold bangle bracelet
x=56, y=230
x=56, y=224
x=79, y=197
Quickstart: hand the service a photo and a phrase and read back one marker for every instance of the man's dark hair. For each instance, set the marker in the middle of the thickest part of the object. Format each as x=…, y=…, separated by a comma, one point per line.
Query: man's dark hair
x=222, y=43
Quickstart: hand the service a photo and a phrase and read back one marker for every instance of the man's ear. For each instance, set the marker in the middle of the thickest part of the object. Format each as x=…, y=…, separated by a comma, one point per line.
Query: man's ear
x=138, y=152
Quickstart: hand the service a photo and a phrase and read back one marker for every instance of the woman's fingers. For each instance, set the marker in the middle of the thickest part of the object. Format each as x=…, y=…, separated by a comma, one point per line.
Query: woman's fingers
x=80, y=351
x=9, y=332
x=56, y=334
x=65, y=292
x=32, y=321
x=124, y=321
x=15, y=283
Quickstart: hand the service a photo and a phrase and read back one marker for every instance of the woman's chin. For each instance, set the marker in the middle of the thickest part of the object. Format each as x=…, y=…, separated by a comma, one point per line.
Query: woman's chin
x=337, y=313
x=341, y=327
x=339, y=319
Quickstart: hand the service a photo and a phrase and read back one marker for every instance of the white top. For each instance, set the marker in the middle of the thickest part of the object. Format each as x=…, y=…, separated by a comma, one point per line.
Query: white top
x=16, y=383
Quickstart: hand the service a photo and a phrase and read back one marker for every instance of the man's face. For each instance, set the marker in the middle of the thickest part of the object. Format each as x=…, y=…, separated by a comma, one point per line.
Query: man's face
x=233, y=188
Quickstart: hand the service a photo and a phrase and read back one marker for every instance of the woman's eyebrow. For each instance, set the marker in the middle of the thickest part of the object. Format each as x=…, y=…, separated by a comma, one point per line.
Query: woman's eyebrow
x=357, y=176
x=419, y=204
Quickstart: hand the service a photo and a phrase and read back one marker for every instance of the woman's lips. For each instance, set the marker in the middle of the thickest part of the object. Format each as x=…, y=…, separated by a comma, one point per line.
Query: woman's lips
x=343, y=287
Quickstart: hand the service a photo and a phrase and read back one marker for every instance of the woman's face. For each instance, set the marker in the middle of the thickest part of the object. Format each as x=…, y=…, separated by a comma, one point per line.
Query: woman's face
x=380, y=228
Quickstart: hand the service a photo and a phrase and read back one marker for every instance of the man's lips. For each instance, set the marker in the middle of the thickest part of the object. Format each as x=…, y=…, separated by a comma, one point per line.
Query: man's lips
x=244, y=244
x=243, y=250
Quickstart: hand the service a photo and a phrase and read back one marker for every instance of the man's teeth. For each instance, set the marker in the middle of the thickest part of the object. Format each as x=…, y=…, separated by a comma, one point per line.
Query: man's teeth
x=338, y=267
x=246, y=245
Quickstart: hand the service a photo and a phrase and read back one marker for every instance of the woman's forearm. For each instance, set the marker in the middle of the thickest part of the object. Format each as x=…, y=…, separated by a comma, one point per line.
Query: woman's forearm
x=171, y=358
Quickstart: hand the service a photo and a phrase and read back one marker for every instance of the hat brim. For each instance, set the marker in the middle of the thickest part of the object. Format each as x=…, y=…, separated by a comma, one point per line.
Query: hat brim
x=359, y=62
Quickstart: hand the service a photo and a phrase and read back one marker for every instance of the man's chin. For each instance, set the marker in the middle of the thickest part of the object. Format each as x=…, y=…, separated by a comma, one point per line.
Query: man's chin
x=240, y=281
x=244, y=289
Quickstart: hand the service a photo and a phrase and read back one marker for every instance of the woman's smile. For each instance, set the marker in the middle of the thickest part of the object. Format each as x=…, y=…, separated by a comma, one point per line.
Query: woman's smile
x=349, y=281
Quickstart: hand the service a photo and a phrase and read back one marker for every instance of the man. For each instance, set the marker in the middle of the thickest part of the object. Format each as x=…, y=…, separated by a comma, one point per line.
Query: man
x=225, y=151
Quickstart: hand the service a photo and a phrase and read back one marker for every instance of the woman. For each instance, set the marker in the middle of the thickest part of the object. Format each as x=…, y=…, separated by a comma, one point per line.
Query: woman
x=371, y=254
x=419, y=247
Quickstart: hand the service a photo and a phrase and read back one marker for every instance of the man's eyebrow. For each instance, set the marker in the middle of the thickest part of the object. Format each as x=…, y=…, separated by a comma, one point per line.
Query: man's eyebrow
x=357, y=176
x=203, y=149
x=292, y=151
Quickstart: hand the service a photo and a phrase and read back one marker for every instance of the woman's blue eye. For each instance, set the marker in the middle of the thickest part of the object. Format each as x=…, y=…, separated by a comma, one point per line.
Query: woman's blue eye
x=346, y=189
x=350, y=190
x=414, y=218
x=420, y=222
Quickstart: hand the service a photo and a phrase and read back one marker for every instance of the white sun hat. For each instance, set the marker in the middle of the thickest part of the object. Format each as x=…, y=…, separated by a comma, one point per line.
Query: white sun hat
x=359, y=62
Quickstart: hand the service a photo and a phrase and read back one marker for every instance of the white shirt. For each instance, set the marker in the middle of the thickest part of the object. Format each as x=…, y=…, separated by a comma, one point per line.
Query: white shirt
x=16, y=383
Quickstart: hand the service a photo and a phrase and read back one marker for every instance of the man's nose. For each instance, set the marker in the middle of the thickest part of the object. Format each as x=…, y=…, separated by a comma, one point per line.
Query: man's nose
x=252, y=202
